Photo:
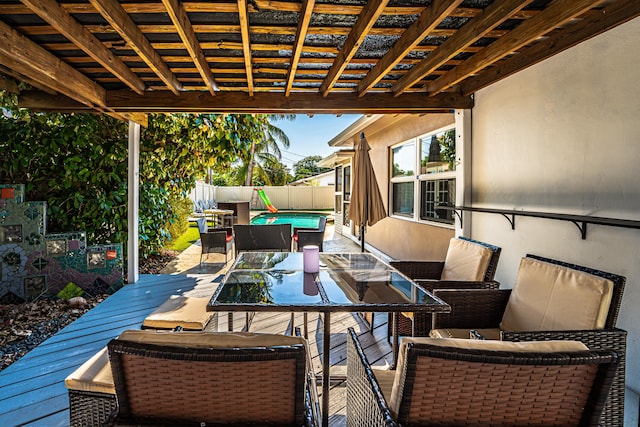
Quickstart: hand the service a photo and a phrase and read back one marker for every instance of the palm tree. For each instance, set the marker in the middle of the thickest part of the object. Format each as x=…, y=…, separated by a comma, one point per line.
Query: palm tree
x=265, y=151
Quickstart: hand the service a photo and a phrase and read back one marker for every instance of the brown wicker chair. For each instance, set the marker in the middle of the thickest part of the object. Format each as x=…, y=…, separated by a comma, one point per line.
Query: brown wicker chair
x=268, y=237
x=483, y=310
x=198, y=378
x=428, y=274
x=453, y=386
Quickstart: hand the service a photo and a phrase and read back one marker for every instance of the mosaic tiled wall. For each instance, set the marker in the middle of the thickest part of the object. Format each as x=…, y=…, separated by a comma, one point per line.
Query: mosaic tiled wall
x=35, y=263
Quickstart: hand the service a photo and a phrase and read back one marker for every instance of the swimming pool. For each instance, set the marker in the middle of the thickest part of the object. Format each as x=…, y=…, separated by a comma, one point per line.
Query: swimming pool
x=300, y=220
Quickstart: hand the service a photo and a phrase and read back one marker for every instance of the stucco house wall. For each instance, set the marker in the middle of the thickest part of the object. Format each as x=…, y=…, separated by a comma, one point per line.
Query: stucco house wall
x=398, y=237
x=563, y=136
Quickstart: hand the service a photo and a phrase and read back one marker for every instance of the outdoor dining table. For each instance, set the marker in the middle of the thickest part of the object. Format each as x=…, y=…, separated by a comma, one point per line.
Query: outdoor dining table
x=345, y=282
x=217, y=215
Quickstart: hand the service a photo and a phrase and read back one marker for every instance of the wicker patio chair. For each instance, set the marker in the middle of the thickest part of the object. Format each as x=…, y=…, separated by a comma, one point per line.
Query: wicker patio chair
x=214, y=240
x=205, y=378
x=508, y=314
x=480, y=383
x=469, y=264
x=309, y=236
x=268, y=237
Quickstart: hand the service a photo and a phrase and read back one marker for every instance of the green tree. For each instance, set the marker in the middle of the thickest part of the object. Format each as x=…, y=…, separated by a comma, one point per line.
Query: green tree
x=78, y=164
x=308, y=167
x=262, y=151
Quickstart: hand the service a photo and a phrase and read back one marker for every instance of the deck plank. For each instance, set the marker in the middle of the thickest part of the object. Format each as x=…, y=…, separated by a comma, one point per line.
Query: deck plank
x=32, y=391
x=36, y=394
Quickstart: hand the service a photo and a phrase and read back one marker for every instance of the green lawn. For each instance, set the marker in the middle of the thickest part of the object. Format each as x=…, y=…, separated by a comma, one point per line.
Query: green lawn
x=187, y=239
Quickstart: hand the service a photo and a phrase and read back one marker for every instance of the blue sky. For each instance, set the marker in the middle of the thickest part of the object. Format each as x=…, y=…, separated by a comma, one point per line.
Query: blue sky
x=309, y=135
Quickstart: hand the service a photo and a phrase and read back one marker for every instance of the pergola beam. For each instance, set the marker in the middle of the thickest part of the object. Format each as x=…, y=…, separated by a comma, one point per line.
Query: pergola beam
x=112, y=11
x=246, y=42
x=302, y=103
x=301, y=33
x=230, y=102
x=495, y=14
x=27, y=58
x=609, y=17
x=558, y=13
x=61, y=20
x=363, y=26
x=426, y=22
x=187, y=34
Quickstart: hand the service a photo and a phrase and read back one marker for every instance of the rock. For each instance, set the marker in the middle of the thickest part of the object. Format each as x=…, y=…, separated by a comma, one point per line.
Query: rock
x=77, y=302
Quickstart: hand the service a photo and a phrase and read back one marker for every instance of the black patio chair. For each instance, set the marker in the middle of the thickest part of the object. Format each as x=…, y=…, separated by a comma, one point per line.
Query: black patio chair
x=268, y=237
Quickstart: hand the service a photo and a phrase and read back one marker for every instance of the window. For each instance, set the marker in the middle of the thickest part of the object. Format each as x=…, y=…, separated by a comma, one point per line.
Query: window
x=433, y=156
x=403, y=164
x=338, y=179
x=347, y=183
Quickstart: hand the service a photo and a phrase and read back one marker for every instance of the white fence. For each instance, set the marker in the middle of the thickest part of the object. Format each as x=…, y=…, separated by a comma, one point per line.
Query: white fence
x=282, y=197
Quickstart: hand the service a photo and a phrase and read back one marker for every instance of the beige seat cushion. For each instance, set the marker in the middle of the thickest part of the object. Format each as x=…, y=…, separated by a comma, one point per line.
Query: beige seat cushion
x=189, y=312
x=489, y=333
x=94, y=375
x=385, y=378
x=198, y=339
x=546, y=296
x=486, y=345
x=465, y=261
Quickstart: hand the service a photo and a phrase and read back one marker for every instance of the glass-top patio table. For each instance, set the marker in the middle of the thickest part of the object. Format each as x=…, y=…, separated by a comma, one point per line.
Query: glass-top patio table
x=346, y=282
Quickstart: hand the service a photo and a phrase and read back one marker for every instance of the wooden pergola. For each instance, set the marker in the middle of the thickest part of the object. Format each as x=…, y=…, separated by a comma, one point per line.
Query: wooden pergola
x=129, y=58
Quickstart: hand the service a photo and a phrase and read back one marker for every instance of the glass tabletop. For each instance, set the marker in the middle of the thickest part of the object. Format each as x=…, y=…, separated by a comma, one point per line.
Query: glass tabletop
x=351, y=282
x=294, y=261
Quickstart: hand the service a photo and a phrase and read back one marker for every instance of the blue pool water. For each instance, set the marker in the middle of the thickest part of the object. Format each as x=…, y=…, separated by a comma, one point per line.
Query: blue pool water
x=301, y=220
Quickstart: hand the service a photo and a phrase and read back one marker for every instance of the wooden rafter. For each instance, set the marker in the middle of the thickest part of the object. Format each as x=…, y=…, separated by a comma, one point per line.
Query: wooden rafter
x=113, y=12
x=231, y=7
x=61, y=20
x=188, y=36
x=363, y=26
x=426, y=22
x=562, y=39
x=246, y=42
x=495, y=14
x=553, y=16
x=40, y=30
x=30, y=60
x=301, y=34
x=26, y=57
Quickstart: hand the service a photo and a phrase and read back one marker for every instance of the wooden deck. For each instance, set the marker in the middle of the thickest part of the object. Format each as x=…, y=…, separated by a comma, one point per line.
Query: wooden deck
x=32, y=391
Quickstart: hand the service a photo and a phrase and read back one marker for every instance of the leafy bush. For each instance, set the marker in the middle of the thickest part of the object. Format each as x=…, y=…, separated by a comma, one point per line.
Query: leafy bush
x=78, y=164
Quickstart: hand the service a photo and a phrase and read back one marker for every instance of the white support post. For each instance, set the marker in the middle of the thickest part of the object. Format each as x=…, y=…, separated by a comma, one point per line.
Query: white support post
x=463, y=170
x=133, y=203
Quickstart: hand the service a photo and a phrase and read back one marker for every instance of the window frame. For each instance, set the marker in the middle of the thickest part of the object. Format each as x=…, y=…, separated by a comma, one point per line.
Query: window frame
x=418, y=179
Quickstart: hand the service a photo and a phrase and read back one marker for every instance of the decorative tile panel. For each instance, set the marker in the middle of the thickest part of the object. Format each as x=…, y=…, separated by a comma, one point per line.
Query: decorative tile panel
x=34, y=263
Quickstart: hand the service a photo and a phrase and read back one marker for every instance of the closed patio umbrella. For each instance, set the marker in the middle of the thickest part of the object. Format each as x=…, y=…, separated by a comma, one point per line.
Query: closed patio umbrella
x=366, y=206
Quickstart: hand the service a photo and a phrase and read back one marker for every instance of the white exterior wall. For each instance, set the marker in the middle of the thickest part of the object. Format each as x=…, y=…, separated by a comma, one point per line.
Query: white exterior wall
x=564, y=136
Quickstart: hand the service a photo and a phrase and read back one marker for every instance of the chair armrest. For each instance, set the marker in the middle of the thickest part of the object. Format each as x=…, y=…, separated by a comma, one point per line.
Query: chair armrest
x=429, y=270
x=471, y=309
x=366, y=405
x=312, y=402
x=605, y=339
x=430, y=285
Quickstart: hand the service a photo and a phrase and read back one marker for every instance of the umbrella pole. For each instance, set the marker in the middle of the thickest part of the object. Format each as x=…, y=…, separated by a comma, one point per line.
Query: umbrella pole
x=362, y=238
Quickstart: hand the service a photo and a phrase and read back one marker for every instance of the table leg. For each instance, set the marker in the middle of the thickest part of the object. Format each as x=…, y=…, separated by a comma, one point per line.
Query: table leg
x=306, y=329
x=326, y=346
x=395, y=339
x=230, y=321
